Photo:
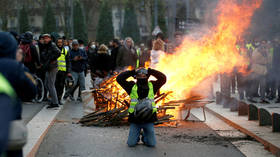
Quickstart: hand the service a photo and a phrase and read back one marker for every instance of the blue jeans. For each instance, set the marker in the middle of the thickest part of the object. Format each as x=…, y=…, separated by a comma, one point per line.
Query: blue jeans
x=148, y=137
x=78, y=78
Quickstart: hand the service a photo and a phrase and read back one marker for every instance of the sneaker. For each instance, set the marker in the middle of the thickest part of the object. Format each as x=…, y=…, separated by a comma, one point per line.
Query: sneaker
x=60, y=103
x=71, y=98
x=263, y=101
x=65, y=96
x=52, y=106
x=79, y=99
x=252, y=100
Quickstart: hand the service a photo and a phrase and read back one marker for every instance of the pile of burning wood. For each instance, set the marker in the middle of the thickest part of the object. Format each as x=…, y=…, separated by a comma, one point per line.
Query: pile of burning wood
x=112, y=104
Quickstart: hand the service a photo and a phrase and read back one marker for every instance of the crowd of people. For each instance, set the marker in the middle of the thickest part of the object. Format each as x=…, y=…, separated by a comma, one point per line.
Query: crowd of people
x=260, y=81
x=61, y=63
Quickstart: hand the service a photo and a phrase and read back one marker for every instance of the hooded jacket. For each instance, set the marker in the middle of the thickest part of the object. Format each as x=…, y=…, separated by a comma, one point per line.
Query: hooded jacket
x=49, y=55
x=15, y=72
x=127, y=56
x=80, y=65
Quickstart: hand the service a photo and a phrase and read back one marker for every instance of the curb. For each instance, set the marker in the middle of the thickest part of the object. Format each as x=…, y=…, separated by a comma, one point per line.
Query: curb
x=268, y=146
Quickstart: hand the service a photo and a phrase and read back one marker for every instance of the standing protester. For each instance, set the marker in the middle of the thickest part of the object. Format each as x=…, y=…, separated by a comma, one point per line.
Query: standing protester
x=78, y=60
x=270, y=85
x=240, y=78
x=49, y=56
x=260, y=60
x=21, y=80
x=114, y=53
x=142, y=110
x=127, y=55
x=275, y=67
x=63, y=69
x=92, y=56
x=157, y=51
x=103, y=65
x=144, y=55
x=31, y=58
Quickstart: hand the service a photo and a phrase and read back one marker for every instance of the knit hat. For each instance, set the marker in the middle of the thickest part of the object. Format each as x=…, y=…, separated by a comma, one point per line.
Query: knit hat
x=75, y=42
x=8, y=45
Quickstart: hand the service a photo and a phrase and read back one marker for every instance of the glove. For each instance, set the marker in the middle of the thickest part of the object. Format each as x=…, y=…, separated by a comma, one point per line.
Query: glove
x=133, y=72
x=130, y=110
x=154, y=110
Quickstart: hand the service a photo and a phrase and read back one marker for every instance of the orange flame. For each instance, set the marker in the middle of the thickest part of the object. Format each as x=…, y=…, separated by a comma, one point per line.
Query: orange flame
x=214, y=53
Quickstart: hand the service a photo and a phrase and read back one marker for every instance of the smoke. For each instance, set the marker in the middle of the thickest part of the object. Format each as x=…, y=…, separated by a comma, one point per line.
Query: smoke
x=266, y=21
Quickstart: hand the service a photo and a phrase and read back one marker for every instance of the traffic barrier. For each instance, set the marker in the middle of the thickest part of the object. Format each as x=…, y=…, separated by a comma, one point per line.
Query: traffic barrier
x=233, y=104
x=253, y=112
x=275, y=122
x=242, y=108
x=264, y=117
x=218, y=98
x=226, y=101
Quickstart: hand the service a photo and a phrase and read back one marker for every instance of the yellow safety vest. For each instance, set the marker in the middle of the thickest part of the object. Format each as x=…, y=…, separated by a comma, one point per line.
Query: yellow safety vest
x=6, y=88
x=62, y=60
x=250, y=46
x=138, y=59
x=134, y=97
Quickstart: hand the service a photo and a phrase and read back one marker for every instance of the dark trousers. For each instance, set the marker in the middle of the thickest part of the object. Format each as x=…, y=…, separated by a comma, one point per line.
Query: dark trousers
x=225, y=84
x=59, y=83
x=15, y=153
x=242, y=85
x=271, y=85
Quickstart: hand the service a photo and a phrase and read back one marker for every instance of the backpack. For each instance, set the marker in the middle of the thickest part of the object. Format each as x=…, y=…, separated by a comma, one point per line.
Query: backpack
x=26, y=53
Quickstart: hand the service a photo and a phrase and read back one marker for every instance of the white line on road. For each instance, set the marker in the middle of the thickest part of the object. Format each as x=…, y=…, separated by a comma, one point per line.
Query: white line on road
x=37, y=129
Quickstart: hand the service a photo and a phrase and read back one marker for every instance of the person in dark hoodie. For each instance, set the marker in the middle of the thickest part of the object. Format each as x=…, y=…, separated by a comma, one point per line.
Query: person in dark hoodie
x=142, y=109
x=31, y=59
x=49, y=56
x=114, y=53
x=19, y=78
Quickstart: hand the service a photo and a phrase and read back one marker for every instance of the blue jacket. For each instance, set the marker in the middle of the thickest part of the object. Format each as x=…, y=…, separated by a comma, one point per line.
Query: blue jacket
x=80, y=65
x=6, y=112
x=23, y=86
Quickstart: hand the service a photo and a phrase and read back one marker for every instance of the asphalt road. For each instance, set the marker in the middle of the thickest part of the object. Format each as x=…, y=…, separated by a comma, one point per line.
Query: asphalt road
x=68, y=139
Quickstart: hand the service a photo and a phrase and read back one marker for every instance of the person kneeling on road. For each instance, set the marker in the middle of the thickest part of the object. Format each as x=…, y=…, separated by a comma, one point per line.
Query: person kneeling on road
x=142, y=110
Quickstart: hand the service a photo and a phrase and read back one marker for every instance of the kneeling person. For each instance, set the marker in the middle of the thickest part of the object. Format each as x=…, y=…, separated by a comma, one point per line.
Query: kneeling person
x=142, y=110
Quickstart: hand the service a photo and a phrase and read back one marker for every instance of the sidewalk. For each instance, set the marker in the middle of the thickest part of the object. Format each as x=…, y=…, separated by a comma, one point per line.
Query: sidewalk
x=263, y=134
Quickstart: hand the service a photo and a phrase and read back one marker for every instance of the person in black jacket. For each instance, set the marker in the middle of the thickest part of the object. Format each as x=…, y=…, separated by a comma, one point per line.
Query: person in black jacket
x=143, y=91
x=102, y=64
x=49, y=56
x=114, y=54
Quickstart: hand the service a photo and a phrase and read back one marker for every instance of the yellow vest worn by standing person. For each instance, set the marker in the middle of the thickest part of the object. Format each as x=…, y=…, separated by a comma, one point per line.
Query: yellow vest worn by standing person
x=62, y=60
x=138, y=59
x=134, y=97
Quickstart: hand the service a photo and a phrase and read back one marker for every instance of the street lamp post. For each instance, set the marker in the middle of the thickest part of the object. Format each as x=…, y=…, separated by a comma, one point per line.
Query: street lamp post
x=156, y=13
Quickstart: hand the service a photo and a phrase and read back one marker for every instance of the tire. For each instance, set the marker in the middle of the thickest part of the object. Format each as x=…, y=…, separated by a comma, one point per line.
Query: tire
x=40, y=90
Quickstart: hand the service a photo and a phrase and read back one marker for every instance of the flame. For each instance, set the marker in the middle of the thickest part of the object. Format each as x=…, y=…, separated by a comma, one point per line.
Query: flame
x=213, y=53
